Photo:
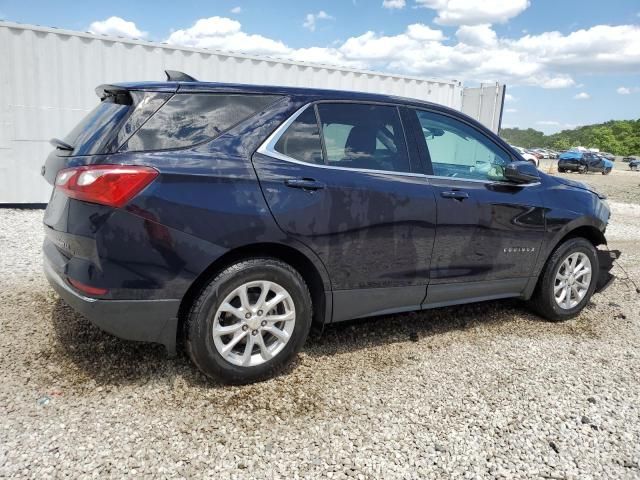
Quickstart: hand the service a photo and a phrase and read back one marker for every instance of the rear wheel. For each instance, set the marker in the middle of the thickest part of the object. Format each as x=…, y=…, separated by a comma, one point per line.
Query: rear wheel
x=249, y=321
x=567, y=281
x=582, y=169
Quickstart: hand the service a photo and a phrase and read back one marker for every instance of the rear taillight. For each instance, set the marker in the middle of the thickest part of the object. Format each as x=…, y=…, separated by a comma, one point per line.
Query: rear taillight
x=112, y=185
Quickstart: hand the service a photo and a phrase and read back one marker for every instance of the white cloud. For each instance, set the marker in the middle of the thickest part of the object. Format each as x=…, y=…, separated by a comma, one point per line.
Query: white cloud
x=394, y=3
x=624, y=91
x=225, y=34
x=312, y=18
x=474, y=12
x=582, y=96
x=475, y=54
x=477, y=35
x=510, y=98
x=549, y=123
x=116, y=26
x=236, y=10
x=510, y=110
x=601, y=48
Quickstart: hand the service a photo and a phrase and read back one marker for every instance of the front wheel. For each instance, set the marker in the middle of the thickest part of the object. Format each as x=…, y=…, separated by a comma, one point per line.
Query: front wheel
x=249, y=321
x=567, y=281
x=606, y=171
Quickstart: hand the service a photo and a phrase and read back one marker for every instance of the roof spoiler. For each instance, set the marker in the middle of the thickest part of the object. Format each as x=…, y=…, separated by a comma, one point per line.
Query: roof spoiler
x=176, y=76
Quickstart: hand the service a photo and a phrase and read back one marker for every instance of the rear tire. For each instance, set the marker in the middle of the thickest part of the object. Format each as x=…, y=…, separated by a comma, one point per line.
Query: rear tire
x=249, y=352
x=545, y=301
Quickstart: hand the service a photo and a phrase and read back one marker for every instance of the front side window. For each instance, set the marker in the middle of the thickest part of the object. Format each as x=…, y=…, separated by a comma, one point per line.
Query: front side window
x=363, y=136
x=191, y=118
x=459, y=151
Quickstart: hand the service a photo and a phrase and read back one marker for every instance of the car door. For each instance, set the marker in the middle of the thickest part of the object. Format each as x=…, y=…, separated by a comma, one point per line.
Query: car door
x=338, y=176
x=489, y=231
x=596, y=163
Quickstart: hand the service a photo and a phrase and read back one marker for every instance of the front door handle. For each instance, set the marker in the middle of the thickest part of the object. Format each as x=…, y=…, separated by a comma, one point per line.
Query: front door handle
x=455, y=194
x=304, y=183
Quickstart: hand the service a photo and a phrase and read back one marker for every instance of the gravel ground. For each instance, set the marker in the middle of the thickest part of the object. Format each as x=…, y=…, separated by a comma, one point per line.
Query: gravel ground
x=480, y=391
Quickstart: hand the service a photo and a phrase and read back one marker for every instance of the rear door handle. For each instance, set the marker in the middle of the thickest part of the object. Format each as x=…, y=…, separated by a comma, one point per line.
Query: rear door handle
x=455, y=194
x=304, y=183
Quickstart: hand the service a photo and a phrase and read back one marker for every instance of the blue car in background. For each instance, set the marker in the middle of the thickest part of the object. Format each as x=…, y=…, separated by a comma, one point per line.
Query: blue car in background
x=583, y=162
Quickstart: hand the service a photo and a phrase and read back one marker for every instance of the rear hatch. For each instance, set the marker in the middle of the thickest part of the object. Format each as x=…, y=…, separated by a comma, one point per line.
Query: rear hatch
x=120, y=113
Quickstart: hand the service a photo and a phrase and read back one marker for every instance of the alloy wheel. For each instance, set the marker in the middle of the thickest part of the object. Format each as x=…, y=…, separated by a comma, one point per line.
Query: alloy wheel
x=254, y=323
x=572, y=280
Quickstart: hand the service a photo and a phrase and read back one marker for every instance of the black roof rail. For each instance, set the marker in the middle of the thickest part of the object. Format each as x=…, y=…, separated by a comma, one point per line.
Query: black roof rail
x=176, y=76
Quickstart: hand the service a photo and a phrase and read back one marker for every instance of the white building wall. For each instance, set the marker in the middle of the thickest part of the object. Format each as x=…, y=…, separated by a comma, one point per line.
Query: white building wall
x=48, y=76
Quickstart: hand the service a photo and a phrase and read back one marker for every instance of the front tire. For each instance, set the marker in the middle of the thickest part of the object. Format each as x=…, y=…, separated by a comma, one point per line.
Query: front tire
x=249, y=321
x=567, y=282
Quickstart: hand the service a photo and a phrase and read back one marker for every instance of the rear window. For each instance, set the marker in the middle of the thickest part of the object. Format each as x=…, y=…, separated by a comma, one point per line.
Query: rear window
x=190, y=119
x=113, y=121
x=97, y=129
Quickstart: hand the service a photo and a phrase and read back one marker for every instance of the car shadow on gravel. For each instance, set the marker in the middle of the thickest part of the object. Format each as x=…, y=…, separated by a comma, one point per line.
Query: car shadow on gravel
x=84, y=352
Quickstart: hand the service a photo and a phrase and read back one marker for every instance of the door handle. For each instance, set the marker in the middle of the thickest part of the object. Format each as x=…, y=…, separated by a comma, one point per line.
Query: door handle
x=455, y=194
x=304, y=183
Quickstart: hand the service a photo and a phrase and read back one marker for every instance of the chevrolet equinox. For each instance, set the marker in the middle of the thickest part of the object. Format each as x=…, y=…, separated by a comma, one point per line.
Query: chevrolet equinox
x=230, y=217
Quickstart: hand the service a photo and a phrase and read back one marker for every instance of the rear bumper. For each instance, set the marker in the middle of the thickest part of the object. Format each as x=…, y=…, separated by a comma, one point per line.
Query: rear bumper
x=141, y=320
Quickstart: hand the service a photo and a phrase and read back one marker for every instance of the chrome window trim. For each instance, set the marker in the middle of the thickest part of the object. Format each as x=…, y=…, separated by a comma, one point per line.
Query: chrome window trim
x=488, y=182
x=268, y=148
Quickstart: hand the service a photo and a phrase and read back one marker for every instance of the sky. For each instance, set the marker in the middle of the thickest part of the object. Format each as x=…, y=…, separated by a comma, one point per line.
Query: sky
x=565, y=62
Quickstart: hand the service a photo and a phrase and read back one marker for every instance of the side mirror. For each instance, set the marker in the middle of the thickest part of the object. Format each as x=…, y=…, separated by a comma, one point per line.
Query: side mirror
x=521, y=172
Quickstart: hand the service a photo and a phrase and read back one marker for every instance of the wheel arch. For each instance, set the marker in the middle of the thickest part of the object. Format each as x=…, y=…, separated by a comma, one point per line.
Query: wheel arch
x=581, y=228
x=311, y=270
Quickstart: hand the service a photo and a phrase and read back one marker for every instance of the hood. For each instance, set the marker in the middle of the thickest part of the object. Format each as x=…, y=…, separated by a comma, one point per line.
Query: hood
x=580, y=185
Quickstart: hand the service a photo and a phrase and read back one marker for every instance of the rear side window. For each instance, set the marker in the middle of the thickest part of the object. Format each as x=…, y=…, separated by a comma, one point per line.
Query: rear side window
x=364, y=136
x=301, y=141
x=189, y=119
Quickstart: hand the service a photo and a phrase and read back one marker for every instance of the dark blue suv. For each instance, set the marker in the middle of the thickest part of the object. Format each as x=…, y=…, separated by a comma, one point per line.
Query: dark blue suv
x=231, y=217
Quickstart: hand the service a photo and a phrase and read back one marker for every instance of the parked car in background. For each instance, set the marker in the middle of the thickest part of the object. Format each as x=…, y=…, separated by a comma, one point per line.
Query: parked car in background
x=583, y=162
x=543, y=153
x=609, y=156
x=529, y=157
x=230, y=217
x=629, y=158
x=634, y=164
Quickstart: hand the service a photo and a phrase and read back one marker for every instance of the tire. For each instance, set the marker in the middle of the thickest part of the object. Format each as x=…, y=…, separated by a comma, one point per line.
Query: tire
x=205, y=315
x=582, y=169
x=606, y=171
x=561, y=170
x=543, y=301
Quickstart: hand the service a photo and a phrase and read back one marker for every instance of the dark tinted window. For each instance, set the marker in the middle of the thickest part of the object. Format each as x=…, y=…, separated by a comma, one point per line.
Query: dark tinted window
x=97, y=128
x=302, y=139
x=363, y=136
x=458, y=150
x=189, y=119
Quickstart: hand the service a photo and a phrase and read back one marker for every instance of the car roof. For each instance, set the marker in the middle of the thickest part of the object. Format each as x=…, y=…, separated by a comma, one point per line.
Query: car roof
x=318, y=93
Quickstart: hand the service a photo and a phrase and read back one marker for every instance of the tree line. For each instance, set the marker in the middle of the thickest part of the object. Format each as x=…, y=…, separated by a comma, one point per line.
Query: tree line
x=619, y=137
